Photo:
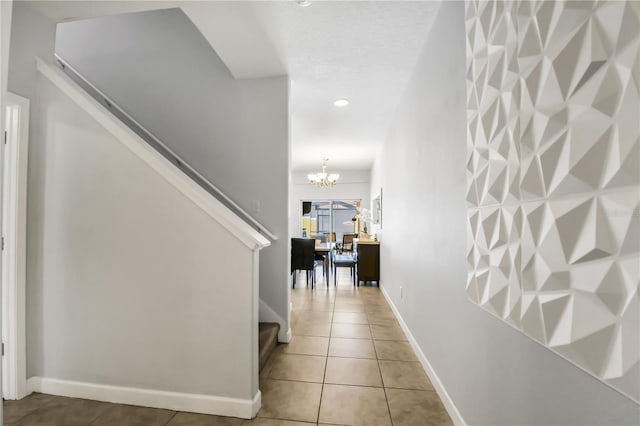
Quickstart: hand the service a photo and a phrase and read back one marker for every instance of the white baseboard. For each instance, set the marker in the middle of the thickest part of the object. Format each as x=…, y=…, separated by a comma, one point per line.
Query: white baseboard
x=451, y=408
x=266, y=314
x=193, y=403
x=287, y=337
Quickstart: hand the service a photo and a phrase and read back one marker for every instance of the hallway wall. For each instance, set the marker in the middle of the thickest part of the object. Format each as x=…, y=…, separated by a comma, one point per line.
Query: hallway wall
x=160, y=69
x=493, y=374
x=105, y=231
x=554, y=178
x=137, y=285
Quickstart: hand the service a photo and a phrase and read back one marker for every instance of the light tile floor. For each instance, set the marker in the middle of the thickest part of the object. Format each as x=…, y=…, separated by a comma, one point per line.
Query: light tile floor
x=349, y=363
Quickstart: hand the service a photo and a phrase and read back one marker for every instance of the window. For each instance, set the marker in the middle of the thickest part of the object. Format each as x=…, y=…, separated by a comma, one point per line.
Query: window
x=324, y=216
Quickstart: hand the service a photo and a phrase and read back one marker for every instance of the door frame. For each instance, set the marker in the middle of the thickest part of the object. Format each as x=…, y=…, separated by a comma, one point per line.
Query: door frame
x=14, y=225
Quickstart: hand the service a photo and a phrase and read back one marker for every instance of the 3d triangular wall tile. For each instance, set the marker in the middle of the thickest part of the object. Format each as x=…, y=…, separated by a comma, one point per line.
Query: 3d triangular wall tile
x=553, y=177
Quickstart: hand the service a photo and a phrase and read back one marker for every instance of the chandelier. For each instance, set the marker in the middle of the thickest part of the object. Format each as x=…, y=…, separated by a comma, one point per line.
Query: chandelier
x=323, y=179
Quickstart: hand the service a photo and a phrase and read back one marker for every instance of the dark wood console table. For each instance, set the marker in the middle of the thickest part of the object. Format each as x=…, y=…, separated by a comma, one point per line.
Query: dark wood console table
x=368, y=266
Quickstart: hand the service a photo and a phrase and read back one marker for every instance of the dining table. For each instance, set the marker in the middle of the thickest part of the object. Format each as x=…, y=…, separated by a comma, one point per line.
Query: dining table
x=325, y=250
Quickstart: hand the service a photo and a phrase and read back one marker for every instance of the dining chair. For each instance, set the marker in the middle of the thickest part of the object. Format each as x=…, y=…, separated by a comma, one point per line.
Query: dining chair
x=331, y=237
x=347, y=243
x=303, y=259
x=344, y=260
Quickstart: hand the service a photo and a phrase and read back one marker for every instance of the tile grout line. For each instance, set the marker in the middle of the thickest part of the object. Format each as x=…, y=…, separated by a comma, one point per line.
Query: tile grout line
x=326, y=360
x=172, y=417
x=384, y=388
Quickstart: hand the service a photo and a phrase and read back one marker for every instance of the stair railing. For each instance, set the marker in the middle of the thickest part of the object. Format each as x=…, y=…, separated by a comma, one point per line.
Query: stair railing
x=158, y=145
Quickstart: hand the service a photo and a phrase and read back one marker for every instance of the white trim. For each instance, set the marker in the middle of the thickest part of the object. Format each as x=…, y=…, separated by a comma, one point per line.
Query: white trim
x=172, y=174
x=194, y=403
x=269, y=315
x=14, y=210
x=448, y=403
x=285, y=337
x=255, y=331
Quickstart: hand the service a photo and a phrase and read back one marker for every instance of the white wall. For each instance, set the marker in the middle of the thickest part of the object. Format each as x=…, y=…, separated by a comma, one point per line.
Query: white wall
x=161, y=70
x=352, y=185
x=553, y=254
x=122, y=270
x=132, y=284
x=5, y=37
x=32, y=35
x=494, y=374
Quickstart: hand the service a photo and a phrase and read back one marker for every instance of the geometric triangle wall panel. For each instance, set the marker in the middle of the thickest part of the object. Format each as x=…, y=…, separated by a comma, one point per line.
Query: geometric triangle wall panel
x=553, y=177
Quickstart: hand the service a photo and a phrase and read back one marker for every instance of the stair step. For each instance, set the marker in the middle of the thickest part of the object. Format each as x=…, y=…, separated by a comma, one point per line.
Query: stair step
x=268, y=340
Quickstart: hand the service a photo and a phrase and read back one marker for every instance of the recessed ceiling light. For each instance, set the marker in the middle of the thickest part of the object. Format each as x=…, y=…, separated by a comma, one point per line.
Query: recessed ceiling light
x=303, y=3
x=341, y=102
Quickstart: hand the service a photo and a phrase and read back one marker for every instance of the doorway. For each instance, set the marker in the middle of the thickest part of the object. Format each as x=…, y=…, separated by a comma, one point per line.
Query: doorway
x=13, y=242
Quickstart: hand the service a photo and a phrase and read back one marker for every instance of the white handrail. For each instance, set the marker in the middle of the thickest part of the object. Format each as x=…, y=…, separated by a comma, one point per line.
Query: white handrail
x=190, y=171
x=152, y=156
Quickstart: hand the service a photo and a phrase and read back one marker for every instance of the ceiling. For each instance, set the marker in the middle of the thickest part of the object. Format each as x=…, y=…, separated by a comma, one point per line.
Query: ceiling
x=364, y=51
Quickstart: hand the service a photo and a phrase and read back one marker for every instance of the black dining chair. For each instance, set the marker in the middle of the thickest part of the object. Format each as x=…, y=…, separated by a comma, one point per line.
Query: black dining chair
x=303, y=258
x=344, y=260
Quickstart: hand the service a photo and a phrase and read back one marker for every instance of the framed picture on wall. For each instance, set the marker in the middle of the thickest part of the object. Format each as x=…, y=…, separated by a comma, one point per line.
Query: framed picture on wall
x=377, y=209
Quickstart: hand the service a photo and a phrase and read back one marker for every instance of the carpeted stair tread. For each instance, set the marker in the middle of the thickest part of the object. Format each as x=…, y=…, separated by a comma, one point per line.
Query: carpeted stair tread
x=268, y=332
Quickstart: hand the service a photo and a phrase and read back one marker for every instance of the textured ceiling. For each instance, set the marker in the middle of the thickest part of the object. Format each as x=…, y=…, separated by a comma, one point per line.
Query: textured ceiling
x=361, y=50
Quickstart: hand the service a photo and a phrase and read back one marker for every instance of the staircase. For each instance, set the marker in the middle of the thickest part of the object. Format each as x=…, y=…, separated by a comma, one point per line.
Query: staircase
x=202, y=225
x=268, y=331
x=268, y=340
